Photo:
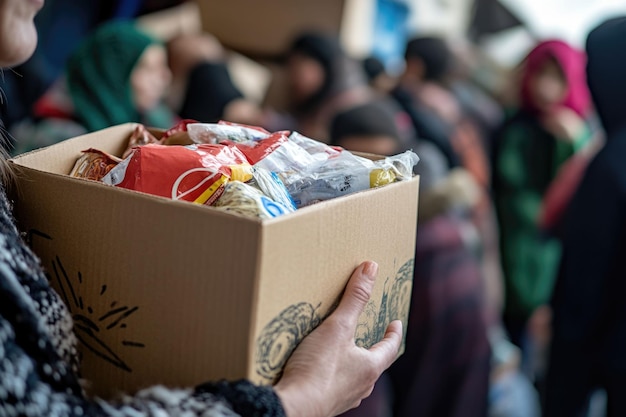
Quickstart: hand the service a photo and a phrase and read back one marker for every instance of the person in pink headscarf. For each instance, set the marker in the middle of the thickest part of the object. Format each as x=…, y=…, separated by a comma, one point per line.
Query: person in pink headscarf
x=548, y=58
x=548, y=128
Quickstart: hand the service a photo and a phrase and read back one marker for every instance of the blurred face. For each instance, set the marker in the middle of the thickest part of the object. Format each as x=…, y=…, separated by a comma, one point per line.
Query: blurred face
x=379, y=145
x=150, y=78
x=414, y=70
x=18, y=36
x=305, y=77
x=548, y=86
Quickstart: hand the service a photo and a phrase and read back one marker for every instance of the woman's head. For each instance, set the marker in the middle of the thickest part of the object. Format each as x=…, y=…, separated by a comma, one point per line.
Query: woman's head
x=427, y=58
x=18, y=39
x=310, y=66
x=150, y=78
x=117, y=75
x=18, y=36
x=316, y=68
x=554, y=76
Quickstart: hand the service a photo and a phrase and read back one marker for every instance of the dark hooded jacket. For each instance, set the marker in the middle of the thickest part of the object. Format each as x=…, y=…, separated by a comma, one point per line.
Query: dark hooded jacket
x=589, y=340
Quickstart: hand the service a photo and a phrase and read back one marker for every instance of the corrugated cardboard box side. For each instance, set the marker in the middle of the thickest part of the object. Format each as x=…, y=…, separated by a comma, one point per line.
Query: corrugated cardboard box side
x=175, y=293
x=266, y=28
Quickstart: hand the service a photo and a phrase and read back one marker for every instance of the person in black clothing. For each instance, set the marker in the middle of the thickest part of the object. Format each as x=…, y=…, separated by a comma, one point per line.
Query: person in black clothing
x=589, y=313
x=426, y=59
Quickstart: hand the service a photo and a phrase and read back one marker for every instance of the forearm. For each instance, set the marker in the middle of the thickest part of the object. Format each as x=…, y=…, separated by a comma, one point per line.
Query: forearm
x=37, y=388
x=566, y=148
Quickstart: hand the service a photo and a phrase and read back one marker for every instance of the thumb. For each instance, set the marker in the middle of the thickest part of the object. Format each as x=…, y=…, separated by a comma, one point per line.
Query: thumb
x=385, y=352
x=357, y=294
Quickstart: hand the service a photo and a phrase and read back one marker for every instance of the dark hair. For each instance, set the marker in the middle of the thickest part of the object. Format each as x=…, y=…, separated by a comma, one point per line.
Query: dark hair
x=434, y=53
x=6, y=173
x=326, y=50
x=373, y=67
x=366, y=120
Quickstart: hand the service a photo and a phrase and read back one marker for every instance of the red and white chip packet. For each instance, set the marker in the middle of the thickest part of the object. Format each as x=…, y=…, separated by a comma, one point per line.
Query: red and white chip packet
x=194, y=173
x=257, y=150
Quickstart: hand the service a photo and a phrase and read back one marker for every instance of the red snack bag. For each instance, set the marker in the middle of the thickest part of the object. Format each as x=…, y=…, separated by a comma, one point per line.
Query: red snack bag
x=178, y=134
x=94, y=165
x=191, y=173
x=177, y=128
x=256, y=151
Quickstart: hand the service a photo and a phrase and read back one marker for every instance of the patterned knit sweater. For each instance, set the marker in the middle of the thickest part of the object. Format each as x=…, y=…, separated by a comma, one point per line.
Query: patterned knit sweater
x=38, y=365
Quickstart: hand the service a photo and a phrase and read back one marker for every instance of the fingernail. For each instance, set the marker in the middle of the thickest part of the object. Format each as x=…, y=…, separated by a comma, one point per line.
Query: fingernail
x=370, y=269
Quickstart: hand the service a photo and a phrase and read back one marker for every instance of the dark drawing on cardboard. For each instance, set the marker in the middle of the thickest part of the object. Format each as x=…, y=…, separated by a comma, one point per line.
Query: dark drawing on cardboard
x=281, y=336
x=399, y=301
x=88, y=324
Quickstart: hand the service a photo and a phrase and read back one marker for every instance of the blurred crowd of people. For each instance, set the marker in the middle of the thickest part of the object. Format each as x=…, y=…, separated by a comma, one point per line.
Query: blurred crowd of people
x=519, y=253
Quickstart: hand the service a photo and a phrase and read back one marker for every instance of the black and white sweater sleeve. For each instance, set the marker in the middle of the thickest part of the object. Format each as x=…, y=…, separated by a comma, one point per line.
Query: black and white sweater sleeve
x=37, y=356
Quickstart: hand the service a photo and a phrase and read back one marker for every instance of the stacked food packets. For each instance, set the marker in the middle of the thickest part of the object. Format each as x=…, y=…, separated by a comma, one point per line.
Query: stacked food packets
x=241, y=169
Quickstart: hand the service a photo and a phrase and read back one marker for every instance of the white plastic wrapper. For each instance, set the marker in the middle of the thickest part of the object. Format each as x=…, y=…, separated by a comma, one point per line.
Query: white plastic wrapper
x=289, y=157
x=218, y=132
x=117, y=174
x=301, y=157
x=320, y=151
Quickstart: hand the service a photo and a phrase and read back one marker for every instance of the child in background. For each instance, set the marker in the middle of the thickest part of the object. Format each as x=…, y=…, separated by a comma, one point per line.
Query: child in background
x=530, y=147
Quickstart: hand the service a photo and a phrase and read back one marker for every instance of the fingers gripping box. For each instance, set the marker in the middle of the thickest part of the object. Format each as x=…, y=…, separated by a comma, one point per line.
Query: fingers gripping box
x=170, y=292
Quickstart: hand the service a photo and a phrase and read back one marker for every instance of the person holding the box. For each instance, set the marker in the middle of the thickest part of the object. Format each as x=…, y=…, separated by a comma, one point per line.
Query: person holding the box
x=326, y=375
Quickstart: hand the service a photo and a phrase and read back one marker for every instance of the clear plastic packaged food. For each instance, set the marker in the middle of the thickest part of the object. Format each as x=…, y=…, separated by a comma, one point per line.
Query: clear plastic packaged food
x=350, y=174
x=270, y=184
x=246, y=200
x=219, y=132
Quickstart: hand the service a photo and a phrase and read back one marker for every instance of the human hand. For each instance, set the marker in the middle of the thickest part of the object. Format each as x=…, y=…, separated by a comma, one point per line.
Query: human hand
x=540, y=325
x=327, y=373
x=564, y=124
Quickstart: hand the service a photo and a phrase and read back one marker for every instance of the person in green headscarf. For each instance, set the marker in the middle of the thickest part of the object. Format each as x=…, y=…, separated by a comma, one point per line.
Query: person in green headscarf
x=119, y=74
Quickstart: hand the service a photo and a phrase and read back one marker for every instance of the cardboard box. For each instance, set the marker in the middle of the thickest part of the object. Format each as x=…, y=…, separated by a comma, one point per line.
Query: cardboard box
x=174, y=293
x=266, y=28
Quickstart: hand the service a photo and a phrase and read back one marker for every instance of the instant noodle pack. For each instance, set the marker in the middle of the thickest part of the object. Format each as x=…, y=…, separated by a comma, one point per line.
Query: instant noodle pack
x=210, y=250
